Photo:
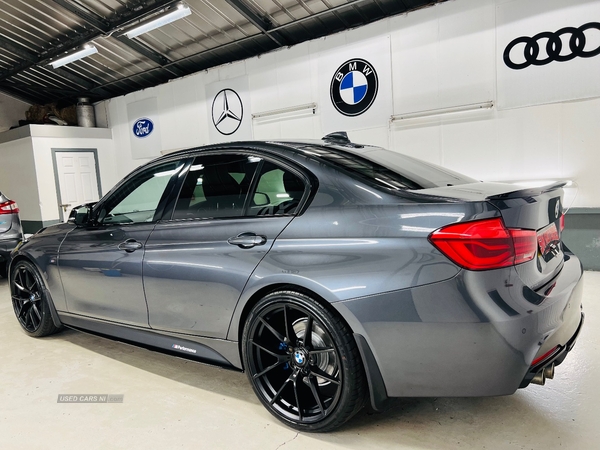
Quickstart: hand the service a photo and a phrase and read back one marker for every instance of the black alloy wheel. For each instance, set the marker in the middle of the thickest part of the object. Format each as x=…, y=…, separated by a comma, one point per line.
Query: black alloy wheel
x=302, y=362
x=29, y=300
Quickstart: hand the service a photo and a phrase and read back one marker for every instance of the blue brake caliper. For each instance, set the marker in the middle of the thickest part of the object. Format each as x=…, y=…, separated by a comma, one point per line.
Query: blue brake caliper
x=283, y=346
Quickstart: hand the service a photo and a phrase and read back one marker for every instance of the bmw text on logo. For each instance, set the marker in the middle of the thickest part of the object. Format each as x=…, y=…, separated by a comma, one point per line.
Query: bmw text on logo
x=142, y=127
x=354, y=87
x=577, y=41
x=227, y=111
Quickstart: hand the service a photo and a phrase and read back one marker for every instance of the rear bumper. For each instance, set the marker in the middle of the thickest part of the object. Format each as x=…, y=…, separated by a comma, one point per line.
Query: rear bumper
x=6, y=247
x=474, y=335
x=556, y=358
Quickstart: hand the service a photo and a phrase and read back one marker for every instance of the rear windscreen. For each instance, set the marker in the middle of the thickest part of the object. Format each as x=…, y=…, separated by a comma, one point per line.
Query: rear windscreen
x=388, y=169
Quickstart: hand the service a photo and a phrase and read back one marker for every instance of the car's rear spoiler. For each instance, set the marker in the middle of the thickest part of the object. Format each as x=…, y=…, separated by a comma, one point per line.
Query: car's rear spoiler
x=528, y=192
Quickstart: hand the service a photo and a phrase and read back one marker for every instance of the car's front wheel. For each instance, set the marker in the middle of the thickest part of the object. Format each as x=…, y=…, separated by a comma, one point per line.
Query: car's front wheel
x=30, y=300
x=302, y=362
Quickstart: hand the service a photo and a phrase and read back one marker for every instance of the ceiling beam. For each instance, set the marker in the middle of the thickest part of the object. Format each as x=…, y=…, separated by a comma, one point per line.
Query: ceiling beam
x=29, y=56
x=17, y=49
x=263, y=24
x=26, y=97
x=105, y=27
x=349, y=4
x=90, y=18
x=121, y=20
x=152, y=55
x=63, y=92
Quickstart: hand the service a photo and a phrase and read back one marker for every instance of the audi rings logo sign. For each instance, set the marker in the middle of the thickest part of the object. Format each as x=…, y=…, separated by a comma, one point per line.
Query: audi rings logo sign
x=556, y=48
x=227, y=111
x=354, y=87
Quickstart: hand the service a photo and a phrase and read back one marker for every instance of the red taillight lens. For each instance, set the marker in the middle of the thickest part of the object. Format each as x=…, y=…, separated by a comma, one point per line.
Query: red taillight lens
x=562, y=223
x=9, y=207
x=485, y=244
x=525, y=244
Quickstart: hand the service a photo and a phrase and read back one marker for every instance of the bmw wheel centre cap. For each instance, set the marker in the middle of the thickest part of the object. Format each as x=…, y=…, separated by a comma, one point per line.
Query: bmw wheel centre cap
x=354, y=87
x=299, y=358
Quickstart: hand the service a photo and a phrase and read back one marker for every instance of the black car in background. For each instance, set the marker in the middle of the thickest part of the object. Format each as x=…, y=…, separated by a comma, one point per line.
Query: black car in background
x=11, y=231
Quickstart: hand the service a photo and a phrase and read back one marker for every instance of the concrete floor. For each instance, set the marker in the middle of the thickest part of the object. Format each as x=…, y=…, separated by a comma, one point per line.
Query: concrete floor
x=171, y=403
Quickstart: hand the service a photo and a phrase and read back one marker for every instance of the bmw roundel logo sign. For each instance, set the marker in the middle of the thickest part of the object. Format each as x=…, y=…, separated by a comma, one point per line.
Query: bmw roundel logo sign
x=142, y=127
x=354, y=87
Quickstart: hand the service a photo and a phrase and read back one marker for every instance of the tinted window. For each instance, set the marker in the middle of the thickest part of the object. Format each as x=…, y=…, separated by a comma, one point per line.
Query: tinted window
x=388, y=169
x=137, y=200
x=216, y=187
x=278, y=191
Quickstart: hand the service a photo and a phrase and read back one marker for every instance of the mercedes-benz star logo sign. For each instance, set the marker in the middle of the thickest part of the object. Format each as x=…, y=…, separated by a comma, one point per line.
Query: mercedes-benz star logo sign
x=354, y=87
x=554, y=47
x=227, y=111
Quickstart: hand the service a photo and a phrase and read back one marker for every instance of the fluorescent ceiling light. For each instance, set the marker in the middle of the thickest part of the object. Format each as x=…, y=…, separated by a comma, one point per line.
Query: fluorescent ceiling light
x=84, y=51
x=170, y=15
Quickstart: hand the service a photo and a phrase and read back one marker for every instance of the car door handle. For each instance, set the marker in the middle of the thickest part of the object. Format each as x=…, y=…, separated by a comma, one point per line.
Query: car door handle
x=130, y=245
x=247, y=240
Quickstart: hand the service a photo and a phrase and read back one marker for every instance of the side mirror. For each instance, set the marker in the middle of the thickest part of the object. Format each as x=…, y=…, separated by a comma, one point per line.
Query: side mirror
x=80, y=215
x=261, y=199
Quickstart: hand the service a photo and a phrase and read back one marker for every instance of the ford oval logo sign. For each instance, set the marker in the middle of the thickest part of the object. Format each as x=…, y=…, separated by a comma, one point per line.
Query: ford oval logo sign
x=142, y=128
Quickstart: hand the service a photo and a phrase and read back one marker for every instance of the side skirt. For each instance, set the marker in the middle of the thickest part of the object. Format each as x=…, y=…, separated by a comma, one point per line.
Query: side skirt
x=181, y=345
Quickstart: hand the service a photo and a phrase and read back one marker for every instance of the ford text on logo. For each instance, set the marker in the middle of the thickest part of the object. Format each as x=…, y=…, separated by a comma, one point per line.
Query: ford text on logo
x=553, y=46
x=142, y=128
x=354, y=87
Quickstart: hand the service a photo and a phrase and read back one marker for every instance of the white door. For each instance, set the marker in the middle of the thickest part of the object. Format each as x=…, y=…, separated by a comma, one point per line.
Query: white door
x=78, y=183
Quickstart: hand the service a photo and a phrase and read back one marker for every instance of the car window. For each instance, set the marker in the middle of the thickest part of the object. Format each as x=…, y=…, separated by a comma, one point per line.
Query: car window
x=387, y=169
x=216, y=186
x=137, y=200
x=278, y=192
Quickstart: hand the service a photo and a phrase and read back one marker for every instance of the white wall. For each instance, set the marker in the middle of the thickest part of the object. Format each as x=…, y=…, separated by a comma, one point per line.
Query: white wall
x=27, y=171
x=441, y=56
x=11, y=111
x=42, y=152
x=18, y=178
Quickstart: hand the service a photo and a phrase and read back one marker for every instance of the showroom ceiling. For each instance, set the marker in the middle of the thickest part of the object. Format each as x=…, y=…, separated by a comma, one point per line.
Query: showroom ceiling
x=34, y=32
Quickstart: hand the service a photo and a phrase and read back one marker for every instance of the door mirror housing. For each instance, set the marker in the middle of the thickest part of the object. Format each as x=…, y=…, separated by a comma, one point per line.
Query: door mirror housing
x=261, y=199
x=81, y=215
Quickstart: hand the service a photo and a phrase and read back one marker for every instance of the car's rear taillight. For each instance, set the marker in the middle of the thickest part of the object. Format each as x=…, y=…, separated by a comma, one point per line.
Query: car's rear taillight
x=9, y=207
x=562, y=223
x=485, y=244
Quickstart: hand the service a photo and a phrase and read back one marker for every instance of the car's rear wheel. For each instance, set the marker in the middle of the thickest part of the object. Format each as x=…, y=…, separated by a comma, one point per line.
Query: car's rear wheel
x=30, y=300
x=302, y=362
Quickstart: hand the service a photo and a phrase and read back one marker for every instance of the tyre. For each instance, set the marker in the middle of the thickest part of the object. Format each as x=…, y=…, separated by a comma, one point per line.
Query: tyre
x=30, y=300
x=302, y=362
x=3, y=269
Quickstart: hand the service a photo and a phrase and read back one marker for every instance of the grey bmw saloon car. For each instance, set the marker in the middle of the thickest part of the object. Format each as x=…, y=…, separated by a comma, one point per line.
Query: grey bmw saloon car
x=335, y=275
